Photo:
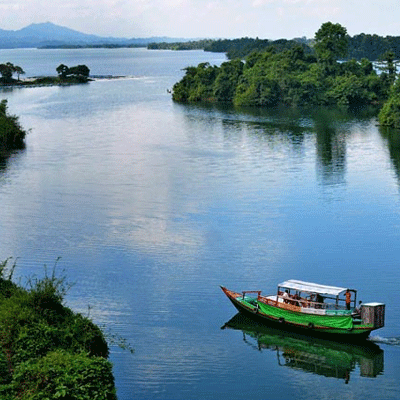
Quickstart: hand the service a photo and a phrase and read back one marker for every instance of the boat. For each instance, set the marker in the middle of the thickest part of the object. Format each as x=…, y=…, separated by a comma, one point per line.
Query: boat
x=327, y=358
x=312, y=309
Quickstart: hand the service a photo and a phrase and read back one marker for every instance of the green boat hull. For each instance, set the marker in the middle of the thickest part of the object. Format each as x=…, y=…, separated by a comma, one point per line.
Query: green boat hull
x=341, y=327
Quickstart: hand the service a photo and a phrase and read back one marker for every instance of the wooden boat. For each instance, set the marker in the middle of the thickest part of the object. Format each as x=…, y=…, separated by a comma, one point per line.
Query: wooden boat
x=312, y=308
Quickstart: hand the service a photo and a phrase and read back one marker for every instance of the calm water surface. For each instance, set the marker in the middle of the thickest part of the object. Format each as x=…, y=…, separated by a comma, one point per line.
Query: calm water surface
x=151, y=205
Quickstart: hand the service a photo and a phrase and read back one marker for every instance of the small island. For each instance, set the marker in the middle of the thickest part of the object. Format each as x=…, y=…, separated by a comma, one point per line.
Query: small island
x=292, y=76
x=66, y=76
x=47, y=350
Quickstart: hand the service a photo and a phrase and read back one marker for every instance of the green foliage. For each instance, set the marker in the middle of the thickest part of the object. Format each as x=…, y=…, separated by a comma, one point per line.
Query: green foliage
x=191, y=45
x=389, y=115
x=359, y=46
x=77, y=74
x=196, y=85
x=7, y=70
x=292, y=77
x=373, y=46
x=241, y=48
x=331, y=43
x=226, y=81
x=47, y=351
x=62, y=375
x=349, y=89
x=11, y=133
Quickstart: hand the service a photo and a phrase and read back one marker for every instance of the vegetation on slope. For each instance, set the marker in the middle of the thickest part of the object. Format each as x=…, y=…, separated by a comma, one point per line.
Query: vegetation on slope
x=47, y=351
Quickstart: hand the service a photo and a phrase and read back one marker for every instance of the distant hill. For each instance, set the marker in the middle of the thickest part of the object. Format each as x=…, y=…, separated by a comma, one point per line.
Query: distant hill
x=48, y=34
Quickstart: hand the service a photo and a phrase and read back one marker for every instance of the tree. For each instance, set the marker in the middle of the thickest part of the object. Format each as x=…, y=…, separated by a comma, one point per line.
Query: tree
x=62, y=70
x=6, y=72
x=331, y=43
x=18, y=70
x=79, y=70
x=389, y=115
x=388, y=65
x=227, y=80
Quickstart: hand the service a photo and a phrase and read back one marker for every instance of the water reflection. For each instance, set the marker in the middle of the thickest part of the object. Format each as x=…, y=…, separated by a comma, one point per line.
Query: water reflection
x=330, y=148
x=328, y=130
x=392, y=137
x=316, y=356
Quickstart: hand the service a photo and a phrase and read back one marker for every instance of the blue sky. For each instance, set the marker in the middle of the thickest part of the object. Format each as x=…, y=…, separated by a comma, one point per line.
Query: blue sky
x=266, y=19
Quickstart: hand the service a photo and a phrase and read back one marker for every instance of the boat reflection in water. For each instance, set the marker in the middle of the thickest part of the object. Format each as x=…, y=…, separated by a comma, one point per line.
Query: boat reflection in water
x=317, y=356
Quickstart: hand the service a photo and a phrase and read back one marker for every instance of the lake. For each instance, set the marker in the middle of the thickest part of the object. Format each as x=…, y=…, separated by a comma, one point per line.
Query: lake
x=152, y=205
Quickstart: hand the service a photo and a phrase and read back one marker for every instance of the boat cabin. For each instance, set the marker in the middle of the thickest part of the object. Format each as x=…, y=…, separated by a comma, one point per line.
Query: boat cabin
x=313, y=295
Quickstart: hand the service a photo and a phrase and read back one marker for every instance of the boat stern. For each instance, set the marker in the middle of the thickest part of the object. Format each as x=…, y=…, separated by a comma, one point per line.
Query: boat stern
x=373, y=314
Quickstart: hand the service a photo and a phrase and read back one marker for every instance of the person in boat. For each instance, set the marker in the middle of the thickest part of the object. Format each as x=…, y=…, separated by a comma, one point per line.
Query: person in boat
x=348, y=299
x=286, y=296
x=296, y=298
x=357, y=310
x=319, y=300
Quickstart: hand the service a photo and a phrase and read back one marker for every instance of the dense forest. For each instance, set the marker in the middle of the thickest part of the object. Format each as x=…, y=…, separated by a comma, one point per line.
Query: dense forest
x=360, y=46
x=293, y=76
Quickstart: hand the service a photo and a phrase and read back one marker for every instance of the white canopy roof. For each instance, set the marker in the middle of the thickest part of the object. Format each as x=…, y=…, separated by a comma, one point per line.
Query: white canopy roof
x=312, y=287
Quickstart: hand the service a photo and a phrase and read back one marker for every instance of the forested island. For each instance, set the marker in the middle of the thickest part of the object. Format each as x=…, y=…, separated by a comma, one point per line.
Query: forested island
x=48, y=351
x=294, y=76
x=65, y=76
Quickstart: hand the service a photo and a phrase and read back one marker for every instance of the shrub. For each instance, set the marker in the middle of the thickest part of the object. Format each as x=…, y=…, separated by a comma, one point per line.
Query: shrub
x=62, y=375
x=11, y=133
x=47, y=351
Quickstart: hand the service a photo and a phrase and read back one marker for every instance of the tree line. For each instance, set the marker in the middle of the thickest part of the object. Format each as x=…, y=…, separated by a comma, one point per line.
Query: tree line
x=78, y=73
x=294, y=77
x=360, y=46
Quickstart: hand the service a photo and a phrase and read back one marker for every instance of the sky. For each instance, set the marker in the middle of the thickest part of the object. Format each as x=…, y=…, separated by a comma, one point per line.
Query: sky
x=265, y=19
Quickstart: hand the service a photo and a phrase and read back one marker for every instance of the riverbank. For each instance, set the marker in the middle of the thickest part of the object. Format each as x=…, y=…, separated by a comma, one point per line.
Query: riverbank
x=48, y=351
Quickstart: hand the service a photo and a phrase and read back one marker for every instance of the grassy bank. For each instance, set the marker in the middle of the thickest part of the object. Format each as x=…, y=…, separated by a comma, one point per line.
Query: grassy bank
x=47, y=350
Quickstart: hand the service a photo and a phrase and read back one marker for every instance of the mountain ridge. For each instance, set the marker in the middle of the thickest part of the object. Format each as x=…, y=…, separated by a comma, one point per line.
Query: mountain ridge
x=49, y=34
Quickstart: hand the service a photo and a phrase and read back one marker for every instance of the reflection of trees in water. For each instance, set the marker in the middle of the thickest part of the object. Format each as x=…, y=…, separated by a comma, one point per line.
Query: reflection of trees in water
x=330, y=148
x=291, y=126
x=3, y=163
x=8, y=156
x=392, y=137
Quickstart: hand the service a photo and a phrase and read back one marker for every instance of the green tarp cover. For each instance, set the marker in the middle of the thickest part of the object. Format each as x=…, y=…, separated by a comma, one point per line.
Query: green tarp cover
x=338, y=322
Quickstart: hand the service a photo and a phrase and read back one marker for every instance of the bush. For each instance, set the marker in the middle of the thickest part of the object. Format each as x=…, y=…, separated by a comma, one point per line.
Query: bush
x=390, y=112
x=48, y=351
x=11, y=133
x=62, y=375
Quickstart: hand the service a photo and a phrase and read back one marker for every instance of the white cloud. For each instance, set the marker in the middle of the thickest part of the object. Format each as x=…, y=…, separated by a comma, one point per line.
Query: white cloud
x=205, y=18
